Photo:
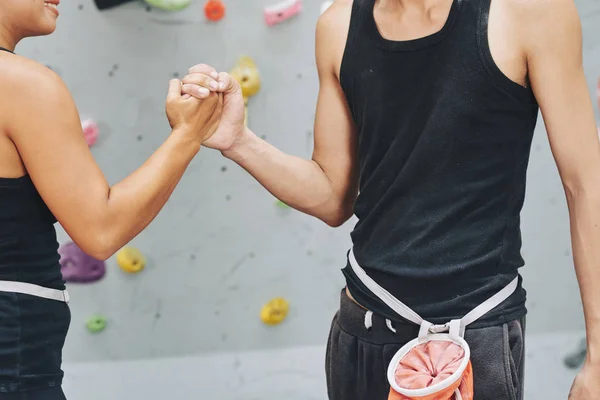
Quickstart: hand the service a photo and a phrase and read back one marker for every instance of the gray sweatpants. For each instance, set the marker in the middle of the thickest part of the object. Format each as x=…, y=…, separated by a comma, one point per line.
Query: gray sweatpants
x=357, y=358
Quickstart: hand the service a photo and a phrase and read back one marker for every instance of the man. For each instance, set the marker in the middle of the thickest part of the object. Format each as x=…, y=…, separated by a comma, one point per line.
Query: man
x=427, y=108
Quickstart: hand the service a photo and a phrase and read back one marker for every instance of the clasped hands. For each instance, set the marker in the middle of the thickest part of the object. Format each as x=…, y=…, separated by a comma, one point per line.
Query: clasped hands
x=207, y=85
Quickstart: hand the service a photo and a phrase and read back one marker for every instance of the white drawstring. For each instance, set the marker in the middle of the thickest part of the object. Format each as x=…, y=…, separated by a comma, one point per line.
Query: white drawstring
x=389, y=325
x=369, y=322
x=369, y=319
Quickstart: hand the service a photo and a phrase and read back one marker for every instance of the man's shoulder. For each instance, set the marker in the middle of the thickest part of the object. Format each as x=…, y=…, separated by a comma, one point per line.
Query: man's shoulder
x=332, y=32
x=336, y=19
x=540, y=18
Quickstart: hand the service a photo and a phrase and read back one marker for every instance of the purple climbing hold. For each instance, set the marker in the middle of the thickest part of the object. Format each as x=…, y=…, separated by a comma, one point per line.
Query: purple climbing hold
x=76, y=266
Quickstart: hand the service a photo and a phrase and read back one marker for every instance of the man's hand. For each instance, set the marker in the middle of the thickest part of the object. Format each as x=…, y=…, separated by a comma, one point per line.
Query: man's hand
x=231, y=130
x=326, y=185
x=587, y=384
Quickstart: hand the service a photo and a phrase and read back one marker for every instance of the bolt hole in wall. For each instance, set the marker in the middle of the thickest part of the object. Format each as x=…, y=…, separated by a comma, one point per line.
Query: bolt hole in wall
x=228, y=283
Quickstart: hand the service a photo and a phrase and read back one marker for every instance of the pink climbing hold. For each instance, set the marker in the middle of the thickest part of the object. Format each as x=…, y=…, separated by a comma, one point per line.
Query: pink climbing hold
x=77, y=266
x=90, y=131
x=282, y=11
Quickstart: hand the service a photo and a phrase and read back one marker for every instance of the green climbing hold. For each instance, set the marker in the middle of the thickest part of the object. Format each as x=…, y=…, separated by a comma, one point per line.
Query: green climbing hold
x=281, y=204
x=96, y=323
x=169, y=5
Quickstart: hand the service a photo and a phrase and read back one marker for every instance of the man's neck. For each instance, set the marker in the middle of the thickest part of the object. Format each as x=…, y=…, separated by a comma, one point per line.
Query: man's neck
x=412, y=4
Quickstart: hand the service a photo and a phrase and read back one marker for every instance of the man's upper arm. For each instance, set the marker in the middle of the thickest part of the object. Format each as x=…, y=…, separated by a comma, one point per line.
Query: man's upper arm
x=47, y=132
x=335, y=136
x=555, y=65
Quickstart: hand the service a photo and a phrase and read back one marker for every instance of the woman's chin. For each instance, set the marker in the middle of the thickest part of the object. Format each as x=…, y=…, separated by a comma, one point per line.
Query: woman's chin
x=48, y=27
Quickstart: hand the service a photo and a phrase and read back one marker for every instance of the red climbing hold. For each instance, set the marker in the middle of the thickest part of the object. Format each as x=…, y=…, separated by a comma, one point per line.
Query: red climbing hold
x=214, y=10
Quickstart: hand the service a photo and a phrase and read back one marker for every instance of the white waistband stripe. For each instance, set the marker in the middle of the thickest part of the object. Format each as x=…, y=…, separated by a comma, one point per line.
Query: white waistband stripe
x=34, y=290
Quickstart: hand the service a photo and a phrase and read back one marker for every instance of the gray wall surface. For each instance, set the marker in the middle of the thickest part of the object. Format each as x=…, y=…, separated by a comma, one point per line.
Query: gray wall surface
x=222, y=248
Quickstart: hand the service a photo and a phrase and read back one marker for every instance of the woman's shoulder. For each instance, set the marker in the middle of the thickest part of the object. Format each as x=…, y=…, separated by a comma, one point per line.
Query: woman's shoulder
x=19, y=74
x=30, y=89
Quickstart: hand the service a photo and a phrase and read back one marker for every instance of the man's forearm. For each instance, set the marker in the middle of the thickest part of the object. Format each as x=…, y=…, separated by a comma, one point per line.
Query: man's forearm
x=585, y=232
x=301, y=184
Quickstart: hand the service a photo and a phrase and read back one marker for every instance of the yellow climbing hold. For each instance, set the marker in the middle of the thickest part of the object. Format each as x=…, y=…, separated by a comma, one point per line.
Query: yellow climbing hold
x=275, y=311
x=246, y=73
x=131, y=260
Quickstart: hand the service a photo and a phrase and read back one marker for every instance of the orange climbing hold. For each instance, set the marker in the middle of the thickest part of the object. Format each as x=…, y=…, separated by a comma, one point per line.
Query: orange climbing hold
x=214, y=10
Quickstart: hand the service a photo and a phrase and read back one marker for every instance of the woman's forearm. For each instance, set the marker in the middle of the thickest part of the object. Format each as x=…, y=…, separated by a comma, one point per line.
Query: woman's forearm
x=135, y=201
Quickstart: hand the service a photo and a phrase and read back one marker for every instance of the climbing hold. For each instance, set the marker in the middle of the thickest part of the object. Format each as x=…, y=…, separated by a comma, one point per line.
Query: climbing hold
x=246, y=73
x=325, y=5
x=214, y=10
x=576, y=358
x=96, y=323
x=55, y=69
x=281, y=204
x=90, y=131
x=108, y=4
x=282, y=11
x=275, y=311
x=77, y=266
x=131, y=260
x=169, y=5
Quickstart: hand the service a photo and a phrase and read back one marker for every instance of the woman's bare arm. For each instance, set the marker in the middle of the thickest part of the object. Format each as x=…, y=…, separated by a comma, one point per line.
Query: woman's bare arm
x=46, y=129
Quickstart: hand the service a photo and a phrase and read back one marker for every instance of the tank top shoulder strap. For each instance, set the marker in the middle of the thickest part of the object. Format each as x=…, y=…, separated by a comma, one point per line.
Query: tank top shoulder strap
x=501, y=80
x=359, y=21
x=355, y=39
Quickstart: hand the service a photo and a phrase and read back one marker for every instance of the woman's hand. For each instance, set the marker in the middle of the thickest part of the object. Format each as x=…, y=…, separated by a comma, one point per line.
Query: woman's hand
x=198, y=119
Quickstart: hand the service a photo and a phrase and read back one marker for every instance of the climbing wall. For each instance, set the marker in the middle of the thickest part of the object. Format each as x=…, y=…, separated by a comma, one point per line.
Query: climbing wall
x=223, y=247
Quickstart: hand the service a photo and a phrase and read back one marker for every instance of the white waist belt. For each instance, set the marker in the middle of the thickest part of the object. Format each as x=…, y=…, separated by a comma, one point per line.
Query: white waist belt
x=34, y=290
x=456, y=327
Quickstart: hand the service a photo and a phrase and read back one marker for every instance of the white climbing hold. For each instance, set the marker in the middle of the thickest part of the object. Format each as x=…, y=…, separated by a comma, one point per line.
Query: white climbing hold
x=325, y=6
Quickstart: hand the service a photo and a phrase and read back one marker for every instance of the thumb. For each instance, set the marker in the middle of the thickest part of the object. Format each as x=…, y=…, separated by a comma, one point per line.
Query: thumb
x=228, y=84
x=174, y=90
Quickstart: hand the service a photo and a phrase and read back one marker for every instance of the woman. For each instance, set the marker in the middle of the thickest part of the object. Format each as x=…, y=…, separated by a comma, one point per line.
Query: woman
x=48, y=174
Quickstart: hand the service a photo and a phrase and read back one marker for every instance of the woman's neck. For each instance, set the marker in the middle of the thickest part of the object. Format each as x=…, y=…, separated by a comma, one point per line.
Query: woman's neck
x=7, y=40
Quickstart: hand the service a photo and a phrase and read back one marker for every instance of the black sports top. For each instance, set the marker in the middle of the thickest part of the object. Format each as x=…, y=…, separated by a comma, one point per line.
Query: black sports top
x=444, y=144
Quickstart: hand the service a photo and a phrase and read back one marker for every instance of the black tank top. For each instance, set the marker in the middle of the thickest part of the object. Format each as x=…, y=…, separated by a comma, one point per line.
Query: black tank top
x=444, y=144
x=28, y=243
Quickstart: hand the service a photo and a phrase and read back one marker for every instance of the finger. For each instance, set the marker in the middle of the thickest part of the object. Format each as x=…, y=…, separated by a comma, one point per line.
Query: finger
x=194, y=90
x=174, y=90
x=227, y=83
x=201, y=80
x=204, y=69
